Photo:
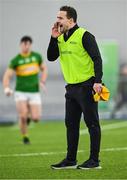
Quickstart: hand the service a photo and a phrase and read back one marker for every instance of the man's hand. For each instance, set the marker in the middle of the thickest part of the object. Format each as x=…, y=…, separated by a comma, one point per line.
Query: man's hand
x=8, y=91
x=56, y=30
x=97, y=87
x=6, y=81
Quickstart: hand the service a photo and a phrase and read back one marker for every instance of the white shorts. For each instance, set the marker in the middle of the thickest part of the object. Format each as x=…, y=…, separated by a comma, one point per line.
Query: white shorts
x=32, y=98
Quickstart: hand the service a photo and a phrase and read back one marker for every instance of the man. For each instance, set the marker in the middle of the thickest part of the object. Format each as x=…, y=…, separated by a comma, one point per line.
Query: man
x=121, y=98
x=26, y=65
x=81, y=65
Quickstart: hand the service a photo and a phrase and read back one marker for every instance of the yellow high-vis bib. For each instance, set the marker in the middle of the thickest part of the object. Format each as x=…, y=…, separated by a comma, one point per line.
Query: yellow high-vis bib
x=76, y=64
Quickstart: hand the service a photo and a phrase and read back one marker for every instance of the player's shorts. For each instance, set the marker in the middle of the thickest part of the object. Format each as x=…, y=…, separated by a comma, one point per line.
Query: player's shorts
x=31, y=98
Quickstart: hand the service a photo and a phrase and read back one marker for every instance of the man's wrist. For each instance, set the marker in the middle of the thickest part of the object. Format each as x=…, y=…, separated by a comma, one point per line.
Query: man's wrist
x=98, y=81
x=43, y=82
x=53, y=38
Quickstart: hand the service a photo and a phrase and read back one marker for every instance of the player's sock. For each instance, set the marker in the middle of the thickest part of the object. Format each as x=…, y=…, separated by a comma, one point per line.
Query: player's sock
x=28, y=120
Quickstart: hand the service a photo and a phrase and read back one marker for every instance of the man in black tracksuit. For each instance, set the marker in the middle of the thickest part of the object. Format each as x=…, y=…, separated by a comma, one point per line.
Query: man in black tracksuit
x=79, y=93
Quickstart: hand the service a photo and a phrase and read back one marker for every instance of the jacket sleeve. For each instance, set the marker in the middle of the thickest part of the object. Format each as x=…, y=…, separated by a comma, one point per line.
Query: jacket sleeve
x=53, y=50
x=90, y=45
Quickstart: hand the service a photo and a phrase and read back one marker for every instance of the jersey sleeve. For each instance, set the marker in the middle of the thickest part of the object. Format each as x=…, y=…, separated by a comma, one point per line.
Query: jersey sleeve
x=40, y=59
x=12, y=64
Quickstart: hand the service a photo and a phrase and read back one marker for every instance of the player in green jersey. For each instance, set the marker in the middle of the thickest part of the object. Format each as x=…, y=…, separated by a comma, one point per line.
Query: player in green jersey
x=26, y=66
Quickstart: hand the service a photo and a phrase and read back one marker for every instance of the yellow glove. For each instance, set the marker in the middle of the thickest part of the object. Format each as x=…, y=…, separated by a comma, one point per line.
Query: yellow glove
x=103, y=96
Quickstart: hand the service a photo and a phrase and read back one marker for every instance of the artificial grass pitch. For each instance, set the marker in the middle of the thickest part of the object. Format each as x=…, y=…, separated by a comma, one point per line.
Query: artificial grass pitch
x=48, y=146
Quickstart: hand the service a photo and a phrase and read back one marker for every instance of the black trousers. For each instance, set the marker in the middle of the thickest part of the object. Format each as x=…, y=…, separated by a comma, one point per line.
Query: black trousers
x=79, y=99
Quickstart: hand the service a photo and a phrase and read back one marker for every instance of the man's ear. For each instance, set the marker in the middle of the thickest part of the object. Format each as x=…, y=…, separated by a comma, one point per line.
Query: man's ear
x=71, y=20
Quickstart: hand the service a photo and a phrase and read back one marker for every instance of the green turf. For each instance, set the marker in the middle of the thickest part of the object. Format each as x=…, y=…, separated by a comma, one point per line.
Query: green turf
x=50, y=137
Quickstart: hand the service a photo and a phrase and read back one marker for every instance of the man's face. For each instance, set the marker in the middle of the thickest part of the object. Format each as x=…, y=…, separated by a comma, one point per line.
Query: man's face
x=25, y=47
x=63, y=22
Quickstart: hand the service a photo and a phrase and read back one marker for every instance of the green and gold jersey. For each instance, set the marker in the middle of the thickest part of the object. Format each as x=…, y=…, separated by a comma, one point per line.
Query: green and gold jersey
x=27, y=71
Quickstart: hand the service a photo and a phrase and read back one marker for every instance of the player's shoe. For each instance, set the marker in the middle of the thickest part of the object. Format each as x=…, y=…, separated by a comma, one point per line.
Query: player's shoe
x=28, y=120
x=26, y=140
x=65, y=164
x=89, y=164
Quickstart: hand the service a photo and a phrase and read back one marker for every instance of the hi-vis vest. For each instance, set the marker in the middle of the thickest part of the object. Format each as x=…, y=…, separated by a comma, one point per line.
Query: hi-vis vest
x=76, y=64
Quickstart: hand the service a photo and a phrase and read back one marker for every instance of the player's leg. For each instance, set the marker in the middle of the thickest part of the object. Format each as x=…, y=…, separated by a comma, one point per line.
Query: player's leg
x=35, y=112
x=35, y=106
x=22, y=109
x=21, y=100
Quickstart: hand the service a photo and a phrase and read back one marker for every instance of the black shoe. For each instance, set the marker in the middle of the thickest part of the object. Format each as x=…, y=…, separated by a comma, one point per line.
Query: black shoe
x=26, y=140
x=28, y=120
x=65, y=164
x=89, y=164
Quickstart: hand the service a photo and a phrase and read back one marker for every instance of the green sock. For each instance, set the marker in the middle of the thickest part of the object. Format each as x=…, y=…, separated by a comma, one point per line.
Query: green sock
x=25, y=135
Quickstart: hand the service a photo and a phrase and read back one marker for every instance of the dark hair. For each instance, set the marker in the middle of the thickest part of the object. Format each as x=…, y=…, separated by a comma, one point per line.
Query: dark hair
x=71, y=12
x=26, y=39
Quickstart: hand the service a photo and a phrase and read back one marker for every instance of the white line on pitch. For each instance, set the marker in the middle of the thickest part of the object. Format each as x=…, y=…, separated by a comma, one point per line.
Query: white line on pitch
x=107, y=127
x=55, y=153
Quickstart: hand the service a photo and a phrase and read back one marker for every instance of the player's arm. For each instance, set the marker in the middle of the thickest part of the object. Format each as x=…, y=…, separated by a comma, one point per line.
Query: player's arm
x=44, y=75
x=44, y=70
x=9, y=73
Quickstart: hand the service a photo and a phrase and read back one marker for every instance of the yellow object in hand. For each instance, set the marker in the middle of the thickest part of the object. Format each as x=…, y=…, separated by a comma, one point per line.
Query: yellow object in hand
x=103, y=96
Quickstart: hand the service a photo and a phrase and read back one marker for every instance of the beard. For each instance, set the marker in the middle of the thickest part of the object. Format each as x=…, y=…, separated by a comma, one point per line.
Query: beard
x=63, y=29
